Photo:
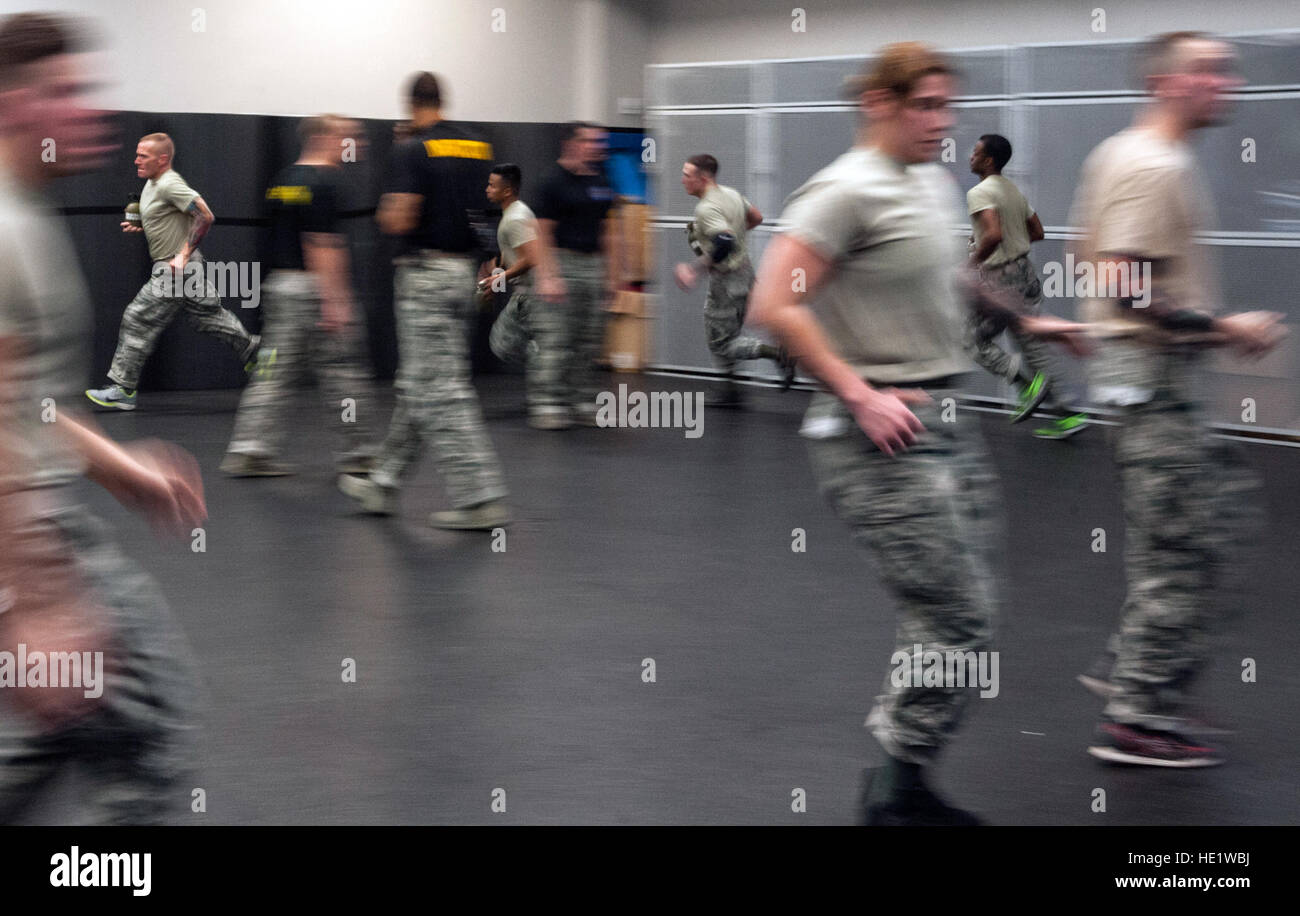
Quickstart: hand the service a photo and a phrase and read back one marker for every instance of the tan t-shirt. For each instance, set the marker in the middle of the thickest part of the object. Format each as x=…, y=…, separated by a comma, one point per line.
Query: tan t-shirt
x=1014, y=212
x=162, y=214
x=518, y=226
x=723, y=209
x=890, y=305
x=45, y=318
x=1141, y=196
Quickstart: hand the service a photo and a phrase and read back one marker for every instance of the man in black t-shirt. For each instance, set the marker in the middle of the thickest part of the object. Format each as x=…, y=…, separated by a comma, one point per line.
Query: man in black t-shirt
x=310, y=317
x=577, y=273
x=437, y=177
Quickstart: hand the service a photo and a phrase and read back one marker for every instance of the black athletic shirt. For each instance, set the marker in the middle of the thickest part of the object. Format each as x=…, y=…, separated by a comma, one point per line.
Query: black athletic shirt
x=578, y=204
x=302, y=198
x=449, y=167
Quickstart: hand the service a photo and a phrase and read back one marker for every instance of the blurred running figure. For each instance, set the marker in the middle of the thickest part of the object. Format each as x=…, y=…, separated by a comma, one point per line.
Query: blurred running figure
x=869, y=234
x=174, y=220
x=311, y=322
x=717, y=234
x=1140, y=202
x=64, y=583
x=513, y=335
x=577, y=274
x=436, y=177
x=1004, y=226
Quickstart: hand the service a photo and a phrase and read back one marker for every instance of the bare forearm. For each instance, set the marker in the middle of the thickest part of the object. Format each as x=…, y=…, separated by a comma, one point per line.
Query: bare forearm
x=201, y=220
x=547, y=264
x=985, y=248
x=326, y=256
x=776, y=305
x=107, y=463
x=797, y=329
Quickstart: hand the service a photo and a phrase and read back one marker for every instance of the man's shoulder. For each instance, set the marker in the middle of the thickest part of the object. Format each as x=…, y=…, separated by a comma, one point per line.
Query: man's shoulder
x=1131, y=152
x=517, y=212
x=730, y=194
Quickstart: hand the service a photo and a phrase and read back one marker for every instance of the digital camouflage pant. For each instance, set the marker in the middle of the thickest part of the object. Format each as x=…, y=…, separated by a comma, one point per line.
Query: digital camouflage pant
x=1190, y=505
x=152, y=309
x=929, y=516
x=724, y=316
x=437, y=406
x=512, y=333
x=134, y=747
x=291, y=307
x=569, y=336
x=1020, y=277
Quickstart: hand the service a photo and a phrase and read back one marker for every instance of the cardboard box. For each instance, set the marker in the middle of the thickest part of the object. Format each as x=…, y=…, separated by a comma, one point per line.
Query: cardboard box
x=634, y=236
x=627, y=333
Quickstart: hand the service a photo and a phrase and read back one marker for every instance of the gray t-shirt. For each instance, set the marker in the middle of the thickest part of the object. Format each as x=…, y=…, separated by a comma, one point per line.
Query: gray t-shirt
x=518, y=226
x=890, y=305
x=45, y=313
x=722, y=209
x=162, y=214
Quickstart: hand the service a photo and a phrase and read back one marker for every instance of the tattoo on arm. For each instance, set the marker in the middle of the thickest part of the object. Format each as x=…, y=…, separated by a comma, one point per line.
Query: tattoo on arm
x=200, y=224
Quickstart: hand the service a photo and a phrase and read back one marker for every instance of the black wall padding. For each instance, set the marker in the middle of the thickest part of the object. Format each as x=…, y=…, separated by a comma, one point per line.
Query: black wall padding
x=230, y=160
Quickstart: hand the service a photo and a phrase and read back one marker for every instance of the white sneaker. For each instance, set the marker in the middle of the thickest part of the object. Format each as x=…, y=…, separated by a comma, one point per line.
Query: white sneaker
x=113, y=396
x=375, y=499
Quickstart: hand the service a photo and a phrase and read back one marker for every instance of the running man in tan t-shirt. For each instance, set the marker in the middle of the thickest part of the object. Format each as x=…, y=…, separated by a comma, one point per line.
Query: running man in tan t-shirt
x=174, y=221
x=723, y=218
x=1140, y=204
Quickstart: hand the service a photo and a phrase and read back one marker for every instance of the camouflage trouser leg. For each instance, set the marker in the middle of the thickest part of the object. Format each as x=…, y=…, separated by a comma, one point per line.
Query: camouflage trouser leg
x=135, y=748
x=1020, y=277
x=929, y=515
x=584, y=276
x=529, y=322
x=155, y=306
x=1178, y=534
x=291, y=306
x=512, y=330
x=552, y=327
x=436, y=404
x=724, y=316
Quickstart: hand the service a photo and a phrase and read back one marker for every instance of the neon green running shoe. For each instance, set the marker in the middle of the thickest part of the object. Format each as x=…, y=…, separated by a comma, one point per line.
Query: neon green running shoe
x=1063, y=428
x=1033, y=394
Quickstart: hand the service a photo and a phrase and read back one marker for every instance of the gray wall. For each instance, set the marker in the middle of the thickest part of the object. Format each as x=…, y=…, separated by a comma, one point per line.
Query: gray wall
x=773, y=123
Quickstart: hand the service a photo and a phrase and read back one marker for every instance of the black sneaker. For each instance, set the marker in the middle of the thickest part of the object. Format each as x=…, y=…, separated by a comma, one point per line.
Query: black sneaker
x=729, y=397
x=1137, y=746
x=912, y=806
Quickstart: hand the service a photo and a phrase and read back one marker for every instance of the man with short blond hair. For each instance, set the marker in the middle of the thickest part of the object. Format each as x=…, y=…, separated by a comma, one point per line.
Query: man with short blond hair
x=174, y=220
x=1141, y=202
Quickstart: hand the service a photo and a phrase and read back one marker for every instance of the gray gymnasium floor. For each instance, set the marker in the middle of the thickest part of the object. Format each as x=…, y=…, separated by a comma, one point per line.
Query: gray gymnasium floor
x=522, y=670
